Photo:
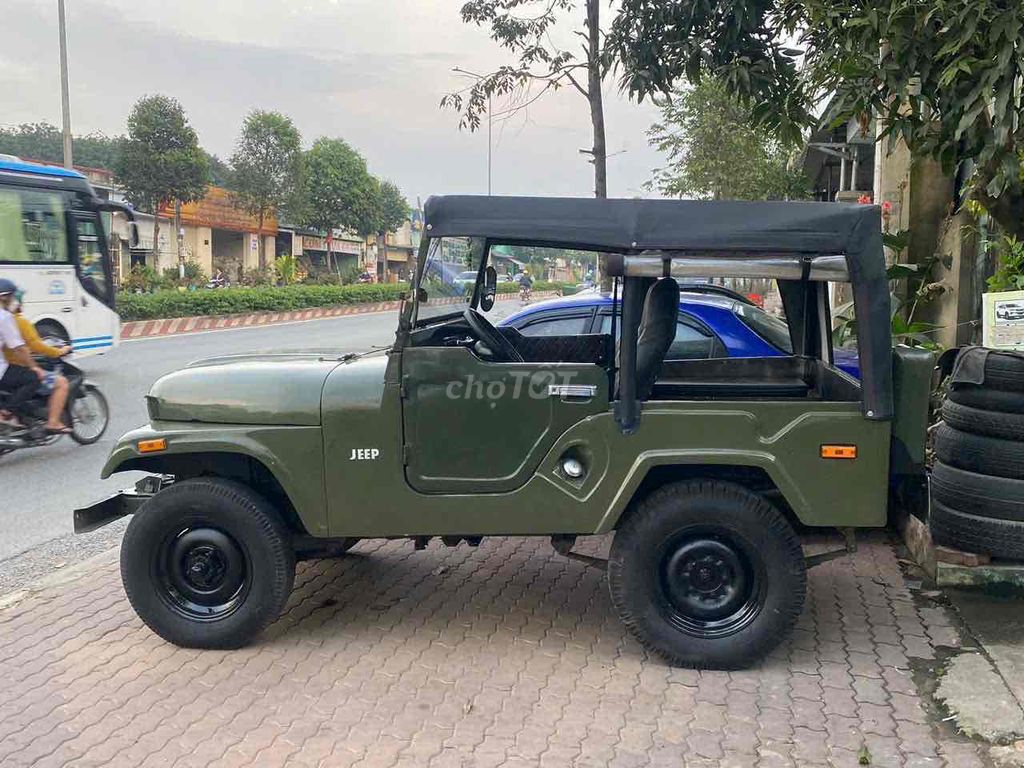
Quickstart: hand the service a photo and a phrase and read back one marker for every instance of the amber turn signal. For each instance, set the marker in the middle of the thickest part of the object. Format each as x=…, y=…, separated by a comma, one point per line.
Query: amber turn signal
x=839, y=451
x=152, y=446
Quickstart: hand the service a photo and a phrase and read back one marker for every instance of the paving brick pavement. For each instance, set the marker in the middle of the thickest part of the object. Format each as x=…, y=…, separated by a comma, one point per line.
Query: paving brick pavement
x=506, y=655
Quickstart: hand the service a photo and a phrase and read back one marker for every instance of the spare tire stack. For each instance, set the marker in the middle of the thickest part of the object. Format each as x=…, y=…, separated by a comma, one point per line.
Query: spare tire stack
x=977, y=483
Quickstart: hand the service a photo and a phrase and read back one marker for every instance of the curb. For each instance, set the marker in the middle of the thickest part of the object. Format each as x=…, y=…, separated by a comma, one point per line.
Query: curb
x=176, y=326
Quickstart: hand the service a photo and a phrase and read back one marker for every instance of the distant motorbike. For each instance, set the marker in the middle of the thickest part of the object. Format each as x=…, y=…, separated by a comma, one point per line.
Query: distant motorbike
x=218, y=282
x=525, y=292
x=87, y=414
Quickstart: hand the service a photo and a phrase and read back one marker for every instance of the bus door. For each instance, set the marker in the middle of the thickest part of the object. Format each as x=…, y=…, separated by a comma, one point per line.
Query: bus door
x=97, y=326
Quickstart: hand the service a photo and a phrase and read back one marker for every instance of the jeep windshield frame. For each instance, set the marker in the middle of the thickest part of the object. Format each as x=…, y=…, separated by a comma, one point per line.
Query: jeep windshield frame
x=800, y=244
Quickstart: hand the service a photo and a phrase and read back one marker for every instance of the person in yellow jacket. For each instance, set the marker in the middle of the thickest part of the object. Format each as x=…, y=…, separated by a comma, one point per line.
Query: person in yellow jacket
x=55, y=385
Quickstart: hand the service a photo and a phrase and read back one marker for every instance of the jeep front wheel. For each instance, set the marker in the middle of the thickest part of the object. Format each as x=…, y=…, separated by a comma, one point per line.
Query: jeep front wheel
x=707, y=574
x=206, y=563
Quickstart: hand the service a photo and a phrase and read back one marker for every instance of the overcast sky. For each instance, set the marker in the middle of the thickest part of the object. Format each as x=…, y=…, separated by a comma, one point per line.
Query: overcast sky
x=369, y=71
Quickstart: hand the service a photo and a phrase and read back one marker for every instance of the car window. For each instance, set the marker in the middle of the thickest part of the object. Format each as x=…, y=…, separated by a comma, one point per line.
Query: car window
x=556, y=326
x=691, y=341
x=768, y=327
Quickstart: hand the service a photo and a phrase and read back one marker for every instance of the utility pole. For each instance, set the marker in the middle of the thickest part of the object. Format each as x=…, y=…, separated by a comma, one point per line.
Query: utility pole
x=65, y=97
x=180, y=232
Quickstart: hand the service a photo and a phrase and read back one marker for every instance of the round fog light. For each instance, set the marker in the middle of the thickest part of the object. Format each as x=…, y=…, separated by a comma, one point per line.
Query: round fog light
x=572, y=467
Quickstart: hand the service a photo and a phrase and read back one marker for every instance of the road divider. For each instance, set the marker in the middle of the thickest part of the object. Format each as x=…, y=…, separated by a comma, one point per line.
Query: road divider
x=174, y=326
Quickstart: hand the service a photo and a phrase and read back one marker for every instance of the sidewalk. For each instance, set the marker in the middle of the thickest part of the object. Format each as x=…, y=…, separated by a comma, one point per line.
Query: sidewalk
x=503, y=655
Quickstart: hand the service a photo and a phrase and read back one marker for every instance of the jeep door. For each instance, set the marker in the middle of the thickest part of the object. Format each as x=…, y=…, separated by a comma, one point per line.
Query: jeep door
x=473, y=426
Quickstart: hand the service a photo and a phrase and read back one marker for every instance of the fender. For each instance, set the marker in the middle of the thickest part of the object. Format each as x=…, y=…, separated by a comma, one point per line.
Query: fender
x=648, y=460
x=302, y=444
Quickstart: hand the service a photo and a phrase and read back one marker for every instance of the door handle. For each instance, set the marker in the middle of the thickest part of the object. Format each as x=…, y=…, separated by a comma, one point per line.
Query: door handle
x=572, y=391
x=67, y=309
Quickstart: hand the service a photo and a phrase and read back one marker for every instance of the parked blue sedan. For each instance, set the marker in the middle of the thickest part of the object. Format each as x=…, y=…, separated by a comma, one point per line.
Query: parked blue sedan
x=711, y=324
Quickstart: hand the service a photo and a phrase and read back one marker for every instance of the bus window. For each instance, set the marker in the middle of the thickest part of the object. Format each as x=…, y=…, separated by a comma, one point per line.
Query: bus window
x=32, y=227
x=90, y=258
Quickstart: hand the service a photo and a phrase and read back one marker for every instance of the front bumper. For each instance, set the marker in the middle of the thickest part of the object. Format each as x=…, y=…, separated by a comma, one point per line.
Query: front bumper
x=119, y=505
x=108, y=510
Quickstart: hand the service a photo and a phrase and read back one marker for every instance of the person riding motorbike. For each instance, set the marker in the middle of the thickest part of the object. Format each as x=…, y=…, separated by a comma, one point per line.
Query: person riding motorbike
x=525, y=285
x=20, y=374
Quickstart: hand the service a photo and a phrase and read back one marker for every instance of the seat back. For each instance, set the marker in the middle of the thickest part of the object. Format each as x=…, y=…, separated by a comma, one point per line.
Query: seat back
x=656, y=332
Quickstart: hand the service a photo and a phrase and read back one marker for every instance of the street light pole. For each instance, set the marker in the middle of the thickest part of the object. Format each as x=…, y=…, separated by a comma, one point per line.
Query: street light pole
x=65, y=98
x=490, y=121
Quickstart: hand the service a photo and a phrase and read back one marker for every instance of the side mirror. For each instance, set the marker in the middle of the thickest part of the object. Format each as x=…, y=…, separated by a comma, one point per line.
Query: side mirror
x=490, y=289
x=421, y=295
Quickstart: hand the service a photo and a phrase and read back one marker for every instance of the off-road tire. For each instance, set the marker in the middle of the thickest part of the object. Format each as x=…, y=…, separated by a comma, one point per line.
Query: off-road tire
x=978, y=453
x=977, y=494
x=695, y=510
x=1004, y=371
x=1009, y=426
x=205, y=504
x=987, y=399
x=973, y=533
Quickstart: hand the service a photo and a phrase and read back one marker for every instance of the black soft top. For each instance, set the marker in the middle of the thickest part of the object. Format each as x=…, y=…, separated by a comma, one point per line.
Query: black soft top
x=720, y=227
x=638, y=225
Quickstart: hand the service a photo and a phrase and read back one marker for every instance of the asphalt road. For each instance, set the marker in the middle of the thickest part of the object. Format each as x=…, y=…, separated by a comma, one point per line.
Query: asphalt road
x=40, y=487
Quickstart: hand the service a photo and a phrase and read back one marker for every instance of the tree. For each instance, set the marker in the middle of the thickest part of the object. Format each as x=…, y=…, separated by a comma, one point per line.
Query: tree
x=161, y=161
x=715, y=150
x=523, y=27
x=45, y=142
x=265, y=167
x=390, y=211
x=220, y=172
x=340, y=192
x=942, y=75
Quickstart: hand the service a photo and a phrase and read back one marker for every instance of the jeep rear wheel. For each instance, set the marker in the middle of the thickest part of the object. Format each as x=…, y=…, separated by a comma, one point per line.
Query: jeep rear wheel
x=707, y=574
x=206, y=563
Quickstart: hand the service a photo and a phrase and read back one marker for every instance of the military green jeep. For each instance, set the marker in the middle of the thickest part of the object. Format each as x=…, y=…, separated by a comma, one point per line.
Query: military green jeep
x=703, y=468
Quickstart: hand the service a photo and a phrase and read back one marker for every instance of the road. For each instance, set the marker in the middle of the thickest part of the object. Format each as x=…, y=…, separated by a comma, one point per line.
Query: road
x=41, y=486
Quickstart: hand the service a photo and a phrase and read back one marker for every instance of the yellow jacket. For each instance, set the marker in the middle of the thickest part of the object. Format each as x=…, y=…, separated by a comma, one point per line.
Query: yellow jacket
x=35, y=344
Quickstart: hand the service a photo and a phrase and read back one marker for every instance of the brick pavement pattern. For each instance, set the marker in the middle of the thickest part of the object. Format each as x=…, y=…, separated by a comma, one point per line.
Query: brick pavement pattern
x=506, y=655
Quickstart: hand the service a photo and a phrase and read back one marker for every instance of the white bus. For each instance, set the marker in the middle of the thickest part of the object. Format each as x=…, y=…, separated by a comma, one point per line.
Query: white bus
x=53, y=245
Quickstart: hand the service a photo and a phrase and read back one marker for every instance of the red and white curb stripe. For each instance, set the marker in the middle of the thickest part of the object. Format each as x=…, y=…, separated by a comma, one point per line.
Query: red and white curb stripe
x=139, y=329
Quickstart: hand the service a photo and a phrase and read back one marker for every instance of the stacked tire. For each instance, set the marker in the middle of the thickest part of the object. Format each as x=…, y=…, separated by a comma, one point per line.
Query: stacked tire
x=977, y=482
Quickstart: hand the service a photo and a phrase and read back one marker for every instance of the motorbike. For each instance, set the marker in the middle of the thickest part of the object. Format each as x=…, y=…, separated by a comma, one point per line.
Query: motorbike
x=86, y=413
x=525, y=292
x=218, y=282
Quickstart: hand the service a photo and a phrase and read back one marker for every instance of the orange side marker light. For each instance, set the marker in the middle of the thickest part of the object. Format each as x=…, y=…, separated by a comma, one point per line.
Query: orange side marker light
x=152, y=446
x=839, y=451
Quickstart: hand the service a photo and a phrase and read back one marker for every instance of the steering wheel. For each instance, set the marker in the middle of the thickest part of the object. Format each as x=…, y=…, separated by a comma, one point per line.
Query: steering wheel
x=504, y=350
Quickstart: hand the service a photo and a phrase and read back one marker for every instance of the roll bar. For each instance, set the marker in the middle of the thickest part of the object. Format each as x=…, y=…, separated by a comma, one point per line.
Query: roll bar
x=680, y=264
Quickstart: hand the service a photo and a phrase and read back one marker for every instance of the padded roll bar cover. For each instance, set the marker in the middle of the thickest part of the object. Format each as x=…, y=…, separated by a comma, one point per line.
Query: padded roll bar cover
x=615, y=264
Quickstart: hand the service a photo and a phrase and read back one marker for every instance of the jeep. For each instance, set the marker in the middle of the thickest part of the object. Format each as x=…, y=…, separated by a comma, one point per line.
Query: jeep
x=704, y=469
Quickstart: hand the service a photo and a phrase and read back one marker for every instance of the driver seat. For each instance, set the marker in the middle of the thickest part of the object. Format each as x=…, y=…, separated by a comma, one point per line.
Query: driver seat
x=656, y=332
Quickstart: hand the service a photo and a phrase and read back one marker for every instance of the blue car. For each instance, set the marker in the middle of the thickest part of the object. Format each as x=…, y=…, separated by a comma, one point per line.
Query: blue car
x=712, y=323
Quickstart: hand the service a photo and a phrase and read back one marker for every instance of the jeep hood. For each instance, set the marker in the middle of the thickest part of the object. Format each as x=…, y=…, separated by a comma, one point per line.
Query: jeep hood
x=274, y=389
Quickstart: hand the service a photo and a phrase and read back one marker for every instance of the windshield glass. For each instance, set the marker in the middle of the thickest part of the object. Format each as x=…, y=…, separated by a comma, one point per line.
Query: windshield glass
x=770, y=328
x=448, y=276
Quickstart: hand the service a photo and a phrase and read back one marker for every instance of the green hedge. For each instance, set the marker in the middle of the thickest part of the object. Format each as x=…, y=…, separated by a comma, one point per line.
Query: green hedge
x=231, y=301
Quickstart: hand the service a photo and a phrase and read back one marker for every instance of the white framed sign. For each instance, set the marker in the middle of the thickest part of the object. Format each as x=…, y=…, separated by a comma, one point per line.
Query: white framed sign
x=1003, y=320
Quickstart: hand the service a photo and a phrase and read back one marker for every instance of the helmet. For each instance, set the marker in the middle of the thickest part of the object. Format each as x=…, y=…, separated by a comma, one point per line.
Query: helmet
x=526, y=271
x=7, y=287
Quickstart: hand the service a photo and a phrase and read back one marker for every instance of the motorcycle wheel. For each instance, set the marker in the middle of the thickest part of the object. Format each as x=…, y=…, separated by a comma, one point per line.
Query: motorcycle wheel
x=89, y=416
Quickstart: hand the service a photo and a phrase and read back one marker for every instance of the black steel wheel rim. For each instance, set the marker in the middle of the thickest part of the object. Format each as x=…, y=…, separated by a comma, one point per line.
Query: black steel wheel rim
x=202, y=573
x=711, y=583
